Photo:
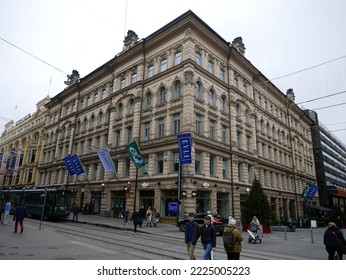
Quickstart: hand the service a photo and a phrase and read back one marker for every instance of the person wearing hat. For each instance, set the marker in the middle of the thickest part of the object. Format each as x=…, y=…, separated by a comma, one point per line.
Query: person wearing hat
x=233, y=253
x=334, y=241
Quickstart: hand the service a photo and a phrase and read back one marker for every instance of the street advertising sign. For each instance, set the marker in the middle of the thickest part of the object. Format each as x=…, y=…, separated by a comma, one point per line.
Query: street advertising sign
x=135, y=154
x=77, y=165
x=185, y=144
x=309, y=191
x=69, y=165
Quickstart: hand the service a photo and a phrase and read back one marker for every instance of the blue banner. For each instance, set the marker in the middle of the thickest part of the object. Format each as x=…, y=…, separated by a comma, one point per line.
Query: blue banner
x=309, y=191
x=77, y=165
x=69, y=165
x=185, y=145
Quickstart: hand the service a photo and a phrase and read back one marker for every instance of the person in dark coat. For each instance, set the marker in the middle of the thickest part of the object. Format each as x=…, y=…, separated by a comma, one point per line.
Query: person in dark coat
x=191, y=236
x=135, y=220
x=141, y=216
x=208, y=238
x=19, y=216
x=75, y=211
x=334, y=241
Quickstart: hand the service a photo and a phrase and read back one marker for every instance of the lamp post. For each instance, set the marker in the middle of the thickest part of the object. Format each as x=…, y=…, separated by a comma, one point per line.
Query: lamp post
x=44, y=205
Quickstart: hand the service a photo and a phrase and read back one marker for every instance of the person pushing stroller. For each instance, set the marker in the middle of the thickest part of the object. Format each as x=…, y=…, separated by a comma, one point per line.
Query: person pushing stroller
x=255, y=231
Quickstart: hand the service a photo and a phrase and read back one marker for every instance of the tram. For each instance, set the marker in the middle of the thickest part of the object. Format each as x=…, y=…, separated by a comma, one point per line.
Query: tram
x=56, y=201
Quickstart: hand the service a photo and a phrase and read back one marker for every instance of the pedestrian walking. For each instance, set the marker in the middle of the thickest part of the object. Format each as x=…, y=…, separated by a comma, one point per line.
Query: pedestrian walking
x=75, y=211
x=148, y=216
x=232, y=240
x=141, y=216
x=208, y=238
x=191, y=236
x=19, y=216
x=135, y=220
x=154, y=217
x=85, y=209
x=334, y=241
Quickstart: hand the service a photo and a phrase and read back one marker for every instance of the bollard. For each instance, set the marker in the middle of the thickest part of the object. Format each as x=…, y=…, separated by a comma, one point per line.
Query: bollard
x=312, y=235
x=285, y=230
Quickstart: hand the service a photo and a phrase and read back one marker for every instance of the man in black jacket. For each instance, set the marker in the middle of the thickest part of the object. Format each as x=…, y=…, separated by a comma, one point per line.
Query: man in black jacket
x=191, y=236
x=334, y=241
x=208, y=238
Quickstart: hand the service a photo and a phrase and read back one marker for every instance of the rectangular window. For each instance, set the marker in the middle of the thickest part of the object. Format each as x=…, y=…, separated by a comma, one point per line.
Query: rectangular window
x=127, y=168
x=117, y=138
x=96, y=97
x=159, y=166
x=176, y=160
x=198, y=167
x=161, y=127
x=224, y=168
x=150, y=71
x=176, y=124
x=249, y=173
x=224, y=134
x=122, y=83
x=147, y=131
x=211, y=67
x=177, y=58
x=212, y=166
x=240, y=171
x=248, y=143
x=222, y=75
x=239, y=136
x=133, y=78
x=163, y=64
x=212, y=129
x=198, y=58
x=104, y=93
x=129, y=134
x=235, y=82
x=198, y=124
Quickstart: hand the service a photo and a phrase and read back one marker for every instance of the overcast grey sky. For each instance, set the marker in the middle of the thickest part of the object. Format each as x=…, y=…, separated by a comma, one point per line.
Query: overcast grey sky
x=280, y=36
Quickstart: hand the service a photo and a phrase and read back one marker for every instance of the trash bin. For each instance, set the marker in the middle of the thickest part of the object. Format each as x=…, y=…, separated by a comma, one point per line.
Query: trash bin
x=313, y=223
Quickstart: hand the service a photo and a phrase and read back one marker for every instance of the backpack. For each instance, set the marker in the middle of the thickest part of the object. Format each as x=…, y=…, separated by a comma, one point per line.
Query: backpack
x=228, y=240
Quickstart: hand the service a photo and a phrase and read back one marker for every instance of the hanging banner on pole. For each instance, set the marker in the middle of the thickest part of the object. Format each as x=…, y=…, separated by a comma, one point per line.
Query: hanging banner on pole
x=185, y=145
x=135, y=155
x=106, y=160
x=309, y=191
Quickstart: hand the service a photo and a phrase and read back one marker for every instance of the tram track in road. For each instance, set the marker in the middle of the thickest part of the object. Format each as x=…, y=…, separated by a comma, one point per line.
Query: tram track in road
x=139, y=244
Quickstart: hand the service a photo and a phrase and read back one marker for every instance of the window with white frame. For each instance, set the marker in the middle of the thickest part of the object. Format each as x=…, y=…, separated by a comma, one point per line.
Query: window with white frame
x=198, y=124
x=163, y=64
x=117, y=138
x=161, y=127
x=162, y=95
x=176, y=123
x=146, y=130
x=133, y=78
x=150, y=70
x=175, y=163
x=122, y=83
x=177, y=89
x=198, y=58
x=178, y=57
x=211, y=66
x=222, y=75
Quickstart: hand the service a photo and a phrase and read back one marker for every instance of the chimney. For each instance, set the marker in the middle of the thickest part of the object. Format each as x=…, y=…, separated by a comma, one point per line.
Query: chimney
x=290, y=95
x=238, y=45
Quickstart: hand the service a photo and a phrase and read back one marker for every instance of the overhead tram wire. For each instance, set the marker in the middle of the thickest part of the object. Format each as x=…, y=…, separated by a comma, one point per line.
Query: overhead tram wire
x=13, y=45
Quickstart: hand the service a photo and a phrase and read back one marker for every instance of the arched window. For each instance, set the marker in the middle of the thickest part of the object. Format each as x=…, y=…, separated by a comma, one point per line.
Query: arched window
x=131, y=106
x=162, y=95
x=237, y=110
x=148, y=100
x=92, y=121
x=85, y=121
x=198, y=90
x=99, y=118
x=223, y=103
x=211, y=97
x=120, y=110
x=177, y=89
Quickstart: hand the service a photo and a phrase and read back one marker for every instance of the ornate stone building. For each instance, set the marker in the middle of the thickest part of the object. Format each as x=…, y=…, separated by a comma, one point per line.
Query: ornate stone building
x=182, y=78
x=20, y=148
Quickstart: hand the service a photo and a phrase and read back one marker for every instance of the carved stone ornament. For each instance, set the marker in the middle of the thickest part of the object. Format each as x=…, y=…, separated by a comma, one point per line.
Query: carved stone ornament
x=189, y=77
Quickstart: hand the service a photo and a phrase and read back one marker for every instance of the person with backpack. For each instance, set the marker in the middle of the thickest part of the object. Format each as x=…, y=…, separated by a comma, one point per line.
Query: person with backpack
x=232, y=240
x=334, y=241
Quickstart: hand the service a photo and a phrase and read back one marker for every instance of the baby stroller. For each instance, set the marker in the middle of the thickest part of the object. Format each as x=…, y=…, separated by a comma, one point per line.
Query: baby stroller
x=254, y=233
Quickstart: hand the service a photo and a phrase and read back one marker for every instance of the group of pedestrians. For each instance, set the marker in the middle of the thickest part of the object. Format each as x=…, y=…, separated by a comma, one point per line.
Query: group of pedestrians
x=151, y=216
x=207, y=235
